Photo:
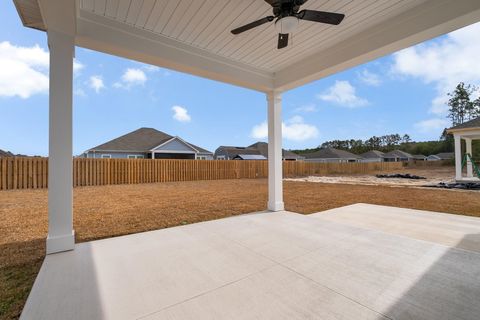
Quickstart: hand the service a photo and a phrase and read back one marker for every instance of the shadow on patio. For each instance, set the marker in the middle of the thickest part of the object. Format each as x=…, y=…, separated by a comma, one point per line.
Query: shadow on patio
x=266, y=265
x=448, y=289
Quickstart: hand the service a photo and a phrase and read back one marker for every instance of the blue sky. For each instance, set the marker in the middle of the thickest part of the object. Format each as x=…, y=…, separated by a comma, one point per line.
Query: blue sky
x=400, y=93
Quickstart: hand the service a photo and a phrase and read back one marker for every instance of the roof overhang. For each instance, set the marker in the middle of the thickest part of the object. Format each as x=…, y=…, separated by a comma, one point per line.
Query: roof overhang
x=371, y=37
x=472, y=133
x=29, y=13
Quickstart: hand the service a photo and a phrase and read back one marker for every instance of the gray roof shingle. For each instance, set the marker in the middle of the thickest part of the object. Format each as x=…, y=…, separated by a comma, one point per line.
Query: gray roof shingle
x=6, y=153
x=331, y=153
x=397, y=154
x=143, y=140
x=446, y=155
x=263, y=148
x=474, y=123
x=258, y=148
x=372, y=154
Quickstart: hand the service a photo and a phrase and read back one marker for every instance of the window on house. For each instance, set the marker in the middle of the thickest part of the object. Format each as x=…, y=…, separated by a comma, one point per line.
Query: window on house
x=201, y=158
x=106, y=156
x=135, y=156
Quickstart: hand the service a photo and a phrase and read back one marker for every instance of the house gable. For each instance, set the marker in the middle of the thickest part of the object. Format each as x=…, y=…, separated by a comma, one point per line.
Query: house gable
x=175, y=145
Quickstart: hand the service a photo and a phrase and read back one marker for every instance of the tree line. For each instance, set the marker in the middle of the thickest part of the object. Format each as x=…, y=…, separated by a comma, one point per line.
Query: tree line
x=386, y=143
x=463, y=105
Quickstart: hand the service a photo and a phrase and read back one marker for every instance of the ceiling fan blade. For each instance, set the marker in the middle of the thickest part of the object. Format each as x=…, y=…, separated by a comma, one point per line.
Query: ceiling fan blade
x=273, y=3
x=252, y=25
x=299, y=2
x=282, y=40
x=321, y=16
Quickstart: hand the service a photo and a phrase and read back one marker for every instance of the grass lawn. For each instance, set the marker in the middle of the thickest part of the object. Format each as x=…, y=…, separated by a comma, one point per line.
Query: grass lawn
x=107, y=211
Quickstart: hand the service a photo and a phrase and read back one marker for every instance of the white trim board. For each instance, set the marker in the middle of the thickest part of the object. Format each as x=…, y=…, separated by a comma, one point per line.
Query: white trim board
x=172, y=139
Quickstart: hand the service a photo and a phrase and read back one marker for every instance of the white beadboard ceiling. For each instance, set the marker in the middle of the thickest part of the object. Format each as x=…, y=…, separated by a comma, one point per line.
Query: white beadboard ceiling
x=206, y=24
x=193, y=36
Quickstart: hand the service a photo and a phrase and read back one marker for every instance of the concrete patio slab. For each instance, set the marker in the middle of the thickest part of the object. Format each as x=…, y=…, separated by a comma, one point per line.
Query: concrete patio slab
x=442, y=228
x=269, y=266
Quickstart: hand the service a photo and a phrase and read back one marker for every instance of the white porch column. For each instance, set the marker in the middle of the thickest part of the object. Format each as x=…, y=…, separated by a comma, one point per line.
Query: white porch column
x=468, y=143
x=275, y=187
x=458, y=157
x=60, y=163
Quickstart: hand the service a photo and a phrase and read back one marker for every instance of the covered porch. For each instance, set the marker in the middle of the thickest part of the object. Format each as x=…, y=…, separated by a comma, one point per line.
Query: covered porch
x=355, y=262
x=273, y=264
x=467, y=132
x=195, y=38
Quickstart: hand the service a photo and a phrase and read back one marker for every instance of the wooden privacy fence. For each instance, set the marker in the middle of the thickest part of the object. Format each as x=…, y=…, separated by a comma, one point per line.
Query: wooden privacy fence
x=32, y=173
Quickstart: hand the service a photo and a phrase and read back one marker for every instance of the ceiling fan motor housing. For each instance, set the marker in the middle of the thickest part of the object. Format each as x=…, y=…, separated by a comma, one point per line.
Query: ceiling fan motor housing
x=286, y=24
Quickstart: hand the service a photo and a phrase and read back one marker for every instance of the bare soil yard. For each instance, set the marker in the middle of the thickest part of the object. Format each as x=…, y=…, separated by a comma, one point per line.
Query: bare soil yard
x=107, y=211
x=432, y=175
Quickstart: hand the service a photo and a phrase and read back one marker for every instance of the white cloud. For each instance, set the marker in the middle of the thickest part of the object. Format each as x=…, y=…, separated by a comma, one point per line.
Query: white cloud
x=343, y=94
x=260, y=131
x=77, y=67
x=443, y=63
x=431, y=125
x=181, y=114
x=134, y=76
x=151, y=68
x=24, y=70
x=131, y=77
x=294, y=129
x=79, y=92
x=369, y=78
x=96, y=83
x=306, y=108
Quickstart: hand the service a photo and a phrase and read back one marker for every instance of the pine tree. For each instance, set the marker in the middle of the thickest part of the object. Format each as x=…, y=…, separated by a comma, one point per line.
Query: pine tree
x=461, y=107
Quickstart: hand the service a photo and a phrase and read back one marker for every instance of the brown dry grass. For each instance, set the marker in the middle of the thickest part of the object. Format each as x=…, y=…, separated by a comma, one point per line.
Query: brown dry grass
x=117, y=210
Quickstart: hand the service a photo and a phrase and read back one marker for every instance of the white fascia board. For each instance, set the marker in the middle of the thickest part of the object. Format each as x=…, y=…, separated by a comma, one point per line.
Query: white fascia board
x=59, y=15
x=117, y=151
x=170, y=140
x=162, y=144
x=426, y=21
x=174, y=151
x=109, y=36
x=465, y=131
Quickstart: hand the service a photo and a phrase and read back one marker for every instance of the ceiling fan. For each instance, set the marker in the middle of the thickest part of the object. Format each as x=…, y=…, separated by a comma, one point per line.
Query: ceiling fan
x=287, y=15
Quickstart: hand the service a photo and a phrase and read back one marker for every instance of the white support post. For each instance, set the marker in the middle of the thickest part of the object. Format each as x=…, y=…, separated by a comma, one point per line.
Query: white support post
x=458, y=157
x=60, y=163
x=275, y=187
x=468, y=144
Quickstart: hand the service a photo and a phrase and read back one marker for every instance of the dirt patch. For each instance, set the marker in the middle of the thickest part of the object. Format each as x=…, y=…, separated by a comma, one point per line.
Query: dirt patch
x=108, y=211
x=433, y=176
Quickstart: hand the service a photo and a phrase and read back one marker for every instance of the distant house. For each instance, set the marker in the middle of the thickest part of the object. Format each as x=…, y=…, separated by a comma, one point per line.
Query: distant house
x=230, y=152
x=148, y=143
x=372, y=156
x=441, y=156
x=331, y=155
x=4, y=153
x=419, y=157
x=256, y=149
x=396, y=156
x=249, y=157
